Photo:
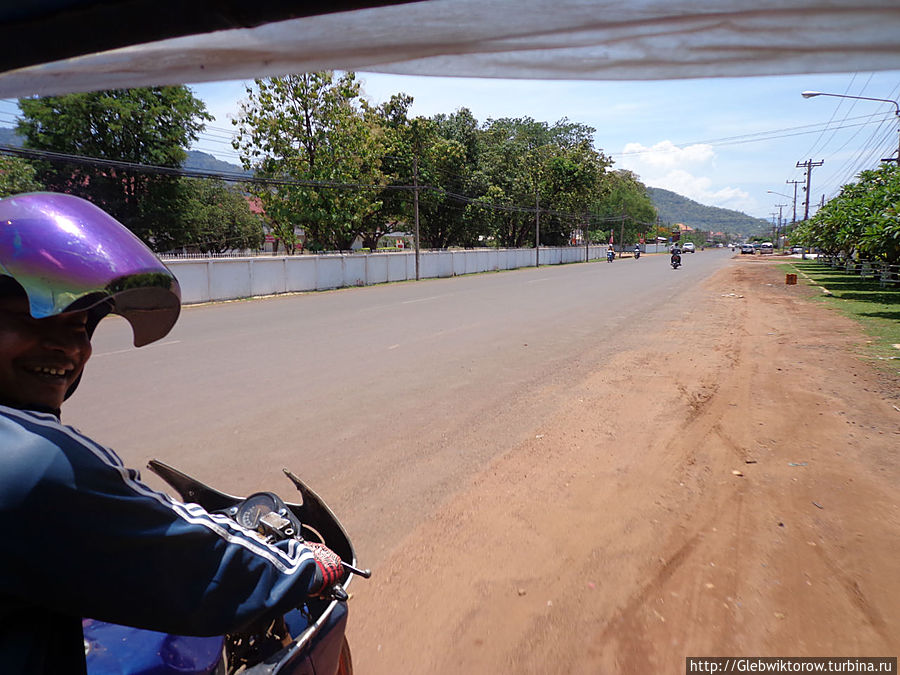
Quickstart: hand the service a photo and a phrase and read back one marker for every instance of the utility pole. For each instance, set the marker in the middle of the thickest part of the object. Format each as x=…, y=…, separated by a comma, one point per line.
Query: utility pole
x=780, y=206
x=622, y=234
x=795, y=183
x=416, y=202
x=587, y=245
x=537, y=230
x=891, y=159
x=809, y=165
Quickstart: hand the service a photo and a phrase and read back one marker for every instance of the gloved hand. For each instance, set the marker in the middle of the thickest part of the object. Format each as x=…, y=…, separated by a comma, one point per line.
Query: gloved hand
x=328, y=569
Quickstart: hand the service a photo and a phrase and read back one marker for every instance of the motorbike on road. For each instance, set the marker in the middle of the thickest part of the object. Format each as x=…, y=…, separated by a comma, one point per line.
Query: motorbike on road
x=637, y=253
x=308, y=640
x=610, y=255
x=676, y=259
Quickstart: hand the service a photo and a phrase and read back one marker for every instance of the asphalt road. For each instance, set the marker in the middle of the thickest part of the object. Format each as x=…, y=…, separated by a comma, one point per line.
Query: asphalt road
x=382, y=398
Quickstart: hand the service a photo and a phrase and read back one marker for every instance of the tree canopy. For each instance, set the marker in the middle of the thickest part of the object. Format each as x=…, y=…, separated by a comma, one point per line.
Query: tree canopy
x=17, y=175
x=151, y=126
x=864, y=219
x=310, y=128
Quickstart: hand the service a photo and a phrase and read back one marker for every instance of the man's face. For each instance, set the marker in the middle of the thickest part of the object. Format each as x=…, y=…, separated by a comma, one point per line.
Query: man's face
x=39, y=358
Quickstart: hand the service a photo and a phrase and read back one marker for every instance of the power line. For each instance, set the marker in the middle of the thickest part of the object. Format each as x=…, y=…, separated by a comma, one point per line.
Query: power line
x=229, y=177
x=810, y=152
x=760, y=136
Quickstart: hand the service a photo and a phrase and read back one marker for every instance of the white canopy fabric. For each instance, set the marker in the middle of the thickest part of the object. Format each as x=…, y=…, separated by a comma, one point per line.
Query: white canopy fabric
x=534, y=39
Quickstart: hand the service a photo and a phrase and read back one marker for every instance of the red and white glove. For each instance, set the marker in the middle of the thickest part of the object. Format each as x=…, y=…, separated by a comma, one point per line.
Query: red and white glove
x=328, y=569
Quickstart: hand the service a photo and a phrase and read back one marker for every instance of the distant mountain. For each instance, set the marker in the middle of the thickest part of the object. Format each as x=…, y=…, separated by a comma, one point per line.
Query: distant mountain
x=8, y=136
x=673, y=208
x=203, y=161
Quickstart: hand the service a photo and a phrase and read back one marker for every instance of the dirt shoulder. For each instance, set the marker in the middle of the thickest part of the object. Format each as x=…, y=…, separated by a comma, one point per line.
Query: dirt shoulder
x=726, y=487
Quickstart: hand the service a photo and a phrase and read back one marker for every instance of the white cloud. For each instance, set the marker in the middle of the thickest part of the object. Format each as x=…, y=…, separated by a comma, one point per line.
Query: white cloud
x=666, y=154
x=685, y=170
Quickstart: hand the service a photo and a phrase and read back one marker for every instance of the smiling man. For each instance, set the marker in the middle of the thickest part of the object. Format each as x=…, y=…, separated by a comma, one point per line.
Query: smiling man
x=40, y=359
x=82, y=535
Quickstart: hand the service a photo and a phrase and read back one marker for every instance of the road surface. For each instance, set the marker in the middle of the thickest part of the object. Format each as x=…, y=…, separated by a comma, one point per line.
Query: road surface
x=380, y=397
x=597, y=468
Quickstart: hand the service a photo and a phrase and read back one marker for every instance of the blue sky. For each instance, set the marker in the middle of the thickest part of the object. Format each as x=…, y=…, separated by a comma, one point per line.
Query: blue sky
x=722, y=142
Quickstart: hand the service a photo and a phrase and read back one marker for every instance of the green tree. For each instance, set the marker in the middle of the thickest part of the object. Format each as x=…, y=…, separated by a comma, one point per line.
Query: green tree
x=525, y=164
x=622, y=194
x=17, y=175
x=142, y=126
x=864, y=218
x=444, y=167
x=509, y=172
x=310, y=129
x=392, y=118
x=218, y=217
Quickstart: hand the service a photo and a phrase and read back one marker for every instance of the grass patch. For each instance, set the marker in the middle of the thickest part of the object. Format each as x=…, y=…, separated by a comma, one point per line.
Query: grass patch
x=877, y=309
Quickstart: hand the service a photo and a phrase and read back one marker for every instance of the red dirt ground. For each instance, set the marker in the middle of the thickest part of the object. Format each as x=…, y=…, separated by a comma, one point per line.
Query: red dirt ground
x=739, y=500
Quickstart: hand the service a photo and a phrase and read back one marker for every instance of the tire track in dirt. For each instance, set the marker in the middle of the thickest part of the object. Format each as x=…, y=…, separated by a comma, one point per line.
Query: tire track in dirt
x=618, y=540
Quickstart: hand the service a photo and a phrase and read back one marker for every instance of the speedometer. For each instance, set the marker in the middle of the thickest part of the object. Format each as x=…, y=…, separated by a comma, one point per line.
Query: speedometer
x=255, y=507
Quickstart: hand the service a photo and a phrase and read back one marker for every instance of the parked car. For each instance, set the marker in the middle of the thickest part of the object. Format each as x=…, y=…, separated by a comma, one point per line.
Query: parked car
x=796, y=249
x=689, y=247
x=747, y=248
x=766, y=247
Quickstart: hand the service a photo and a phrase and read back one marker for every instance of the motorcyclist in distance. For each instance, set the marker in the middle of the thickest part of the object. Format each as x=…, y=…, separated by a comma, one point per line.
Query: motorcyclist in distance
x=676, y=254
x=82, y=535
x=610, y=253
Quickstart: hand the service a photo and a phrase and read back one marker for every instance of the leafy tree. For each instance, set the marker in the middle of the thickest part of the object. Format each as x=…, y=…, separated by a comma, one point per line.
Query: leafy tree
x=17, y=175
x=622, y=194
x=524, y=164
x=142, y=126
x=509, y=169
x=864, y=218
x=310, y=129
x=444, y=166
x=392, y=118
x=219, y=217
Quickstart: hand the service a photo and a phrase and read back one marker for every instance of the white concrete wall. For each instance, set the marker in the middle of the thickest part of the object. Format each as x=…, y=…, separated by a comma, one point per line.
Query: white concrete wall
x=230, y=278
x=267, y=276
x=329, y=272
x=354, y=270
x=300, y=273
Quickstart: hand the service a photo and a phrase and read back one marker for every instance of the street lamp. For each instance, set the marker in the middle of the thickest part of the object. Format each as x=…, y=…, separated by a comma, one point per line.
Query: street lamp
x=810, y=94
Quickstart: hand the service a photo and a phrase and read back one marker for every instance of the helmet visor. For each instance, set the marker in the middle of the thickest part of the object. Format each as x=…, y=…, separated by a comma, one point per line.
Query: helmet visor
x=69, y=254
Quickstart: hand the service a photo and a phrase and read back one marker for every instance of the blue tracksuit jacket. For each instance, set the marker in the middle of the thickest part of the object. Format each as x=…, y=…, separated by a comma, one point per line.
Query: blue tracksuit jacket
x=82, y=536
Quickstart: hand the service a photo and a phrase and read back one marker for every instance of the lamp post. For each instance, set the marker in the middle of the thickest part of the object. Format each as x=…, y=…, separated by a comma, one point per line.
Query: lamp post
x=810, y=94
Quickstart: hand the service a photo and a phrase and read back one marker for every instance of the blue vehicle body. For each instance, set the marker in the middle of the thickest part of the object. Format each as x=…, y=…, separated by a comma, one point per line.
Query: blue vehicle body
x=316, y=643
x=121, y=650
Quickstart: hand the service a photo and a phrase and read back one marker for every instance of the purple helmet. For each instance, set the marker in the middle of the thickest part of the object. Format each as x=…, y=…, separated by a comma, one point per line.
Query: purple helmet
x=68, y=254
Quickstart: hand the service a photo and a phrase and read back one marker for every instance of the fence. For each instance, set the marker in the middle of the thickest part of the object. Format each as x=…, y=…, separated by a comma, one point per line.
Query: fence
x=226, y=278
x=887, y=274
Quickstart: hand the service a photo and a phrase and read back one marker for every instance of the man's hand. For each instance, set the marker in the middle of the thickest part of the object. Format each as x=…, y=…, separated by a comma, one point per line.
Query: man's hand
x=328, y=569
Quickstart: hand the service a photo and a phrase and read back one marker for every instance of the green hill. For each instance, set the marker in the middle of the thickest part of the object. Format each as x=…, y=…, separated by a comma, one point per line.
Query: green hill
x=673, y=208
x=203, y=161
x=8, y=136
